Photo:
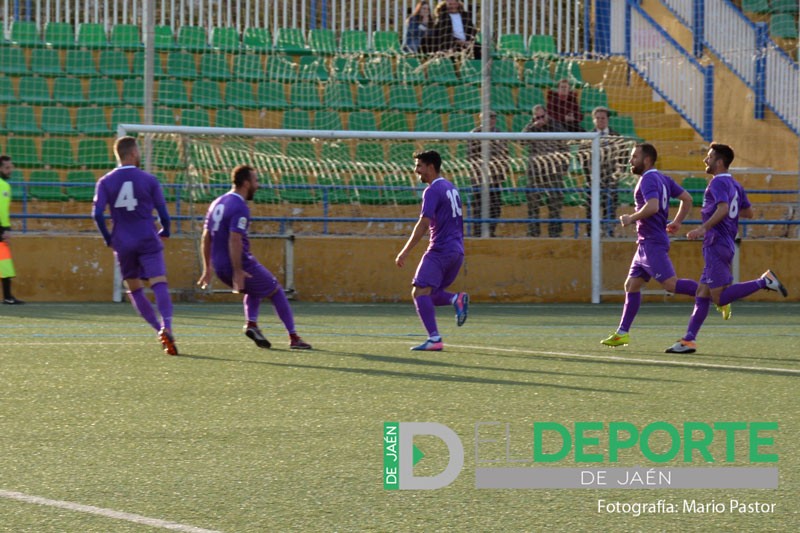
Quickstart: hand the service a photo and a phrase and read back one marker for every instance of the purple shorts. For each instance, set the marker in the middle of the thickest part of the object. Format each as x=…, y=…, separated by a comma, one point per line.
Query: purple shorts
x=261, y=284
x=651, y=261
x=437, y=270
x=717, y=269
x=136, y=265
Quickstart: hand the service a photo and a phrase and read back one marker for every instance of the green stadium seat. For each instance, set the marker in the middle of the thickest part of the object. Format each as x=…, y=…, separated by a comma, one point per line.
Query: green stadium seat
x=59, y=35
x=181, y=65
x=403, y=98
x=291, y=41
x=378, y=69
x=7, y=93
x=125, y=115
x=409, y=70
x=512, y=45
x=386, y=42
x=305, y=95
x=192, y=38
x=470, y=71
x=103, y=91
x=312, y=68
x=172, y=93
x=623, y=124
x=296, y=119
x=45, y=185
x=92, y=35
x=229, y=118
x=19, y=189
x=249, y=67
x=429, y=122
x=536, y=72
x=57, y=121
x=399, y=189
x=92, y=121
x=755, y=6
x=467, y=98
x=24, y=152
x=339, y=96
x=271, y=95
x=34, y=91
x=166, y=154
x=125, y=37
x=45, y=62
x=281, y=68
x=362, y=121
x=568, y=70
x=138, y=64
x=366, y=188
x=783, y=26
x=573, y=198
x=460, y=122
x=333, y=189
x=592, y=97
x=530, y=96
x=95, y=153
x=328, y=120
x=346, y=69
x=25, y=33
x=195, y=117
x=164, y=116
x=114, y=64
x=20, y=120
x=785, y=6
x=214, y=66
x=12, y=62
x=163, y=38
x=505, y=72
x=353, y=42
x=370, y=97
x=502, y=99
x=696, y=186
x=336, y=153
x=542, y=46
x=394, y=121
x=83, y=185
x=322, y=41
x=80, y=63
x=519, y=121
x=207, y=93
x=68, y=91
x=436, y=98
x=257, y=40
x=401, y=154
x=295, y=189
x=226, y=39
x=266, y=193
x=57, y=153
x=441, y=70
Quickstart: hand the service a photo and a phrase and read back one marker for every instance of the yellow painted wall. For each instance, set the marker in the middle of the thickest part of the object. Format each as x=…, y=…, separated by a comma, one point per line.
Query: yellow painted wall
x=353, y=269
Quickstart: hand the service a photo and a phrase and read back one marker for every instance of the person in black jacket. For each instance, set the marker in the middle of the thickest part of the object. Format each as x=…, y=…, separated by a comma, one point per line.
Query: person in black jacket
x=453, y=29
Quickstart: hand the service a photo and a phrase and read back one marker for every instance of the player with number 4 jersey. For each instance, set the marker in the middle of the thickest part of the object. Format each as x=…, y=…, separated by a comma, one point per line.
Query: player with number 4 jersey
x=442, y=214
x=131, y=196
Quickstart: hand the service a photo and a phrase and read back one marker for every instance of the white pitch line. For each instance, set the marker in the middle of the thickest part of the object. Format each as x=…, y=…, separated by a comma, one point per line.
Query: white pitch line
x=109, y=513
x=690, y=364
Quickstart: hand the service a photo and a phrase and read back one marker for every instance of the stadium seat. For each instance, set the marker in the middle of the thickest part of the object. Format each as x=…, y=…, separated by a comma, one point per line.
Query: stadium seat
x=409, y=70
x=336, y=152
x=512, y=45
x=296, y=119
x=530, y=96
x=257, y=40
x=332, y=188
x=623, y=124
x=429, y=122
x=249, y=67
x=592, y=97
x=568, y=70
x=393, y=121
x=114, y=64
x=312, y=68
x=295, y=189
x=353, y=42
x=226, y=39
x=467, y=98
x=138, y=65
x=214, y=66
x=125, y=37
x=399, y=189
x=366, y=189
x=20, y=120
x=442, y=148
x=166, y=154
x=305, y=95
x=192, y=38
x=172, y=93
x=7, y=93
x=271, y=95
x=229, y=118
x=536, y=72
x=370, y=97
x=339, y=96
x=436, y=98
x=386, y=42
x=103, y=91
x=59, y=35
x=57, y=121
x=505, y=72
x=322, y=41
x=45, y=62
x=346, y=69
x=696, y=186
x=460, y=122
x=45, y=185
x=783, y=26
x=181, y=65
x=503, y=99
x=266, y=193
x=25, y=33
x=207, y=93
x=80, y=63
x=625, y=186
x=403, y=98
x=125, y=115
x=362, y=121
x=470, y=71
x=34, y=91
x=401, y=154
x=784, y=6
x=281, y=68
x=327, y=120
x=83, y=187
x=12, y=62
x=755, y=6
x=57, y=153
x=291, y=41
x=441, y=70
x=92, y=121
x=24, y=152
x=164, y=116
x=163, y=38
x=195, y=117
x=92, y=35
x=95, y=153
x=378, y=69
x=543, y=46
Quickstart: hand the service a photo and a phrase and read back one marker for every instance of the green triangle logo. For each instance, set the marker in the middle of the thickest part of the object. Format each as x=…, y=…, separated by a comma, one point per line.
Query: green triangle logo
x=418, y=455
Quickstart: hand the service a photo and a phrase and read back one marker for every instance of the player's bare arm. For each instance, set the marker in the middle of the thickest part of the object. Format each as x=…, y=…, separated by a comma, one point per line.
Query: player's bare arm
x=420, y=229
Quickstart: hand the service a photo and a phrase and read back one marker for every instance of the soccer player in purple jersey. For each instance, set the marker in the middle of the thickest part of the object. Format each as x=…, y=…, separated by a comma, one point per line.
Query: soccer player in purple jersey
x=724, y=201
x=442, y=214
x=651, y=197
x=226, y=248
x=131, y=195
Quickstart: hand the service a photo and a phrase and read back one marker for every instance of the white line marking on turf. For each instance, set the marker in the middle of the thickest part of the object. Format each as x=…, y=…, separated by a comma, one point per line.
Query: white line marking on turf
x=691, y=364
x=109, y=513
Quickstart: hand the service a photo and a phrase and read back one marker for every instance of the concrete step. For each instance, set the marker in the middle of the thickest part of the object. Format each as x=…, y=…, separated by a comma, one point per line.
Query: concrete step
x=665, y=134
x=655, y=120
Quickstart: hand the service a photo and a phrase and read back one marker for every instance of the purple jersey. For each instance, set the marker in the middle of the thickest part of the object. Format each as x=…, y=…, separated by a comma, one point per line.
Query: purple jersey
x=654, y=184
x=131, y=195
x=442, y=205
x=723, y=189
x=228, y=213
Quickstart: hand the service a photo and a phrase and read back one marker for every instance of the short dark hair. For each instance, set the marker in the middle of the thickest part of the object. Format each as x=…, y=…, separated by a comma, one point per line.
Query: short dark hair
x=649, y=151
x=4, y=158
x=124, y=146
x=724, y=151
x=430, y=157
x=241, y=174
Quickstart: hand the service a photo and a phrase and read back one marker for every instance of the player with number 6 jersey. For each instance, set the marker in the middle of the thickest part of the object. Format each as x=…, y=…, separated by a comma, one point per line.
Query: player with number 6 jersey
x=131, y=195
x=442, y=213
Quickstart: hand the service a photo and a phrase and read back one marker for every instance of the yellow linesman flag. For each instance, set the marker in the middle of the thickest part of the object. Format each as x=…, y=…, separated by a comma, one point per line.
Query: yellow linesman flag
x=6, y=264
